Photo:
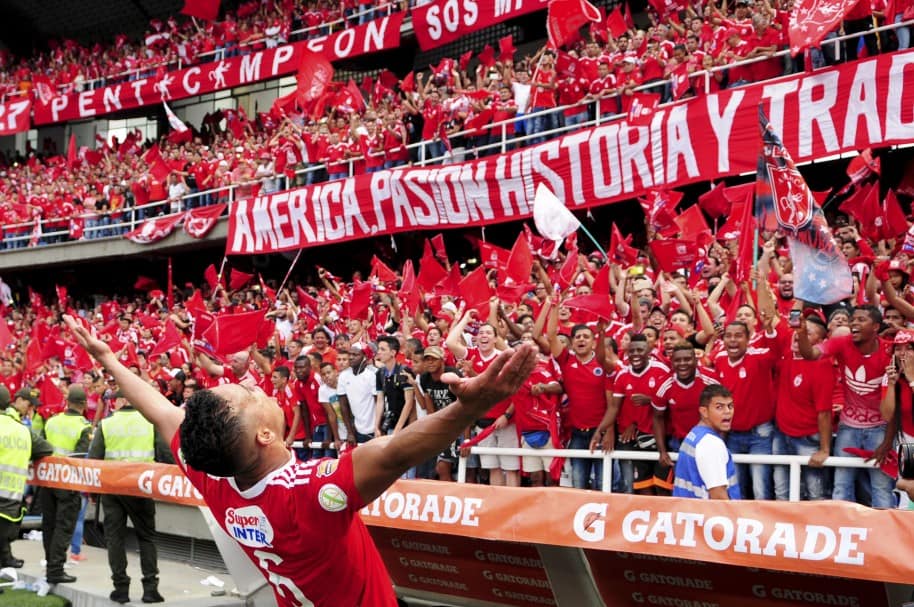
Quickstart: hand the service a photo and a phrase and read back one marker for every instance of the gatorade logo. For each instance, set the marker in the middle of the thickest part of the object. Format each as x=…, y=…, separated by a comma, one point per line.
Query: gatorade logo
x=332, y=498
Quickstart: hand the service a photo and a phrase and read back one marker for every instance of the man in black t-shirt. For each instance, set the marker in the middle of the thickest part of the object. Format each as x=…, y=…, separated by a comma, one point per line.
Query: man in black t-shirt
x=435, y=395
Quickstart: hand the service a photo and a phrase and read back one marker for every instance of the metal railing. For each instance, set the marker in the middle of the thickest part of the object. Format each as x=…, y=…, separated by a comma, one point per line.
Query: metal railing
x=794, y=462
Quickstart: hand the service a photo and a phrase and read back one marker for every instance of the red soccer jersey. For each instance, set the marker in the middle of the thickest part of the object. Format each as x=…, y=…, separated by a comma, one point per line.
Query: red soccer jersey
x=287, y=401
x=537, y=412
x=862, y=380
x=480, y=364
x=681, y=400
x=586, y=385
x=647, y=382
x=306, y=392
x=311, y=504
x=750, y=379
x=805, y=389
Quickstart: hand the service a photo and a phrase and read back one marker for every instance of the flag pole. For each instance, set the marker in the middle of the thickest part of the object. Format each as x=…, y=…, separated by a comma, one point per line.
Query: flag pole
x=289, y=273
x=219, y=277
x=595, y=243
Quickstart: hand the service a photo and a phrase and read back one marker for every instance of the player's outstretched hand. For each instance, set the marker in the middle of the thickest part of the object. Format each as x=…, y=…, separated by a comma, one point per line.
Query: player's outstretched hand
x=93, y=345
x=503, y=378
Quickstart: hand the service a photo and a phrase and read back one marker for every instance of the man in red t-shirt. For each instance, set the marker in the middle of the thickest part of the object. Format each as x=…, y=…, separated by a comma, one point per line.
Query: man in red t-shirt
x=862, y=358
x=229, y=443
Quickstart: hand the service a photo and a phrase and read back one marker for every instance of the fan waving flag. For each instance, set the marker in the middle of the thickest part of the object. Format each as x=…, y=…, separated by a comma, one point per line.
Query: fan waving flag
x=566, y=17
x=812, y=20
x=784, y=202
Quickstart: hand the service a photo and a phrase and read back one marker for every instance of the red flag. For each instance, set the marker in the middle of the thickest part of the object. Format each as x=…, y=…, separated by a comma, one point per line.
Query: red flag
x=493, y=256
x=171, y=339
x=569, y=268
x=487, y=56
x=672, y=255
x=238, y=279
x=388, y=79
x=154, y=229
x=746, y=250
x=475, y=291
x=208, y=10
x=600, y=284
x=895, y=221
x=438, y=245
x=72, y=158
x=565, y=18
x=408, y=85
x=314, y=76
x=33, y=357
x=360, y=302
x=620, y=250
x=693, y=227
x=354, y=96
x=520, y=263
x=506, y=49
x=615, y=23
x=50, y=396
x=812, y=20
x=597, y=304
x=464, y=61
x=627, y=14
x=409, y=294
x=715, y=202
x=93, y=158
x=6, y=338
x=643, y=106
x=200, y=221
x=283, y=105
x=61, y=296
x=451, y=283
x=211, y=276
x=306, y=301
x=382, y=271
x=430, y=273
x=268, y=293
x=230, y=333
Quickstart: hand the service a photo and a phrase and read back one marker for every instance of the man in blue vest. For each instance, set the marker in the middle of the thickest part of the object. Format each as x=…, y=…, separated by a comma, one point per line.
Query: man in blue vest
x=18, y=446
x=68, y=432
x=126, y=436
x=705, y=468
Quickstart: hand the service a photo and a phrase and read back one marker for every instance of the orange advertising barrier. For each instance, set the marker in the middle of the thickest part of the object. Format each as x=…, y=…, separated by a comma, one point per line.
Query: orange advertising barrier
x=633, y=580
x=826, y=538
x=501, y=572
x=163, y=482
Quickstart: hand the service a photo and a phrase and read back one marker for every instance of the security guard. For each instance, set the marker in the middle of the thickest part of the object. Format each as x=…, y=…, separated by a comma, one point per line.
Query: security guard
x=18, y=446
x=126, y=436
x=68, y=432
x=26, y=403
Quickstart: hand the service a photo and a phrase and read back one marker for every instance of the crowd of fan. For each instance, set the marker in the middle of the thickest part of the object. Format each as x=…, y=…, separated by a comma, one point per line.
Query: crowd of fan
x=49, y=198
x=68, y=66
x=806, y=381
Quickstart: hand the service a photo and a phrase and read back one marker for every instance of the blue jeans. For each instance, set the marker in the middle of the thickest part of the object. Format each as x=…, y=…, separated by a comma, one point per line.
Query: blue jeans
x=812, y=485
x=757, y=441
x=322, y=433
x=903, y=34
x=550, y=121
x=581, y=469
x=76, y=541
x=576, y=119
x=881, y=484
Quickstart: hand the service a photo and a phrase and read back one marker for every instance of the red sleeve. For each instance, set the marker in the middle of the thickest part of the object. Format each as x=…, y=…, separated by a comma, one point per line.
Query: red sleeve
x=825, y=385
x=835, y=346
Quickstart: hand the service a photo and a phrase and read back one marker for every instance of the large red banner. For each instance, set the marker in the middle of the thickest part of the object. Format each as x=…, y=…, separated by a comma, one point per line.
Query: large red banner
x=866, y=104
x=14, y=116
x=444, y=21
x=372, y=37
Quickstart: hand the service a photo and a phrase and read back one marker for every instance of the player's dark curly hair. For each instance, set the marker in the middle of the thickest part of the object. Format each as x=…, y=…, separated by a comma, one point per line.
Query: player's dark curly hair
x=210, y=434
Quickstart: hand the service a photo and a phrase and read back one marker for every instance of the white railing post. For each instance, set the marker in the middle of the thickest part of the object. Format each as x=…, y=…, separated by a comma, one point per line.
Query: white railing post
x=462, y=469
x=607, y=473
x=795, y=477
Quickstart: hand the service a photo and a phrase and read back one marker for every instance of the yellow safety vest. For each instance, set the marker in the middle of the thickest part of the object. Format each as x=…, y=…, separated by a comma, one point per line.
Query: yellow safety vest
x=15, y=453
x=63, y=432
x=128, y=437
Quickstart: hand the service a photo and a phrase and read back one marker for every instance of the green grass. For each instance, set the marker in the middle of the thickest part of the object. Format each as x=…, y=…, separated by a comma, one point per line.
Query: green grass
x=25, y=598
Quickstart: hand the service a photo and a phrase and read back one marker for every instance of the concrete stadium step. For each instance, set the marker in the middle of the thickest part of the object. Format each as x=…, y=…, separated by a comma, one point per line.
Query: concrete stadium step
x=179, y=583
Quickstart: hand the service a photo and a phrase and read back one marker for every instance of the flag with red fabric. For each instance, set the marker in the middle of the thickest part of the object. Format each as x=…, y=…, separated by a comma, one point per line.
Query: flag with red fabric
x=784, y=201
x=6, y=338
x=437, y=243
x=239, y=279
x=620, y=249
x=674, y=254
x=487, y=56
x=642, y=108
x=519, y=264
x=464, y=62
x=565, y=17
x=230, y=333
x=715, y=202
x=595, y=304
x=77, y=227
x=615, y=23
x=211, y=276
x=382, y=271
x=658, y=208
x=208, y=10
x=895, y=222
x=154, y=229
x=409, y=294
x=408, y=84
x=157, y=166
x=200, y=221
x=493, y=256
x=693, y=227
x=431, y=273
x=72, y=157
x=506, y=49
x=171, y=339
x=812, y=20
x=61, y=296
x=475, y=290
x=360, y=301
x=314, y=75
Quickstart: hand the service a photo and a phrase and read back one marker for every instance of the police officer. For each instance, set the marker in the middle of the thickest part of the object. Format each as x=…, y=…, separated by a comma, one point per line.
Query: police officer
x=18, y=445
x=68, y=432
x=126, y=436
x=26, y=403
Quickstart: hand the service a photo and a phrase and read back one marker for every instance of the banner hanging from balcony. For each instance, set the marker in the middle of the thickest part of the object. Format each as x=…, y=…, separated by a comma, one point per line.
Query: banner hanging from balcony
x=443, y=21
x=843, y=109
x=372, y=37
x=14, y=116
